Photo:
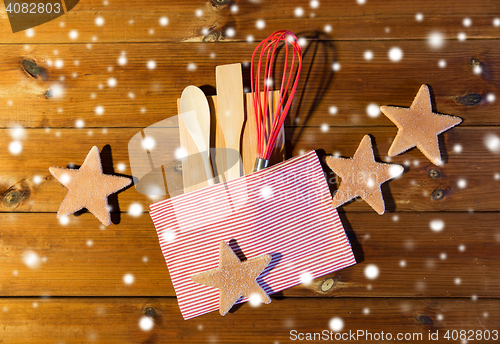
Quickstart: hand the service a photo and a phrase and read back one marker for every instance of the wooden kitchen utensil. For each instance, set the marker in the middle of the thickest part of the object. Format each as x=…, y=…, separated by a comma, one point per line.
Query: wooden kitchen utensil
x=230, y=118
x=196, y=117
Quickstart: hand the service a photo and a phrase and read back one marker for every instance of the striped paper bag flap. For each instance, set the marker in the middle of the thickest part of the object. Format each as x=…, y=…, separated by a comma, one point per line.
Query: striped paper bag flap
x=284, y=210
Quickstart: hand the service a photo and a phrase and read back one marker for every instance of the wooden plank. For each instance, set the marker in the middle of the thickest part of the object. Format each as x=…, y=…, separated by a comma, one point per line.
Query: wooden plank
x=145, y=96
x=475, y=166
x=140, y=22
x=107, y=320
x=42, y=257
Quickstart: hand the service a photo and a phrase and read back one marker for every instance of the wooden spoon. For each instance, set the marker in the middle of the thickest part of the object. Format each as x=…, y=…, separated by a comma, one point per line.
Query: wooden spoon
x=230, y=113
x=196, y=117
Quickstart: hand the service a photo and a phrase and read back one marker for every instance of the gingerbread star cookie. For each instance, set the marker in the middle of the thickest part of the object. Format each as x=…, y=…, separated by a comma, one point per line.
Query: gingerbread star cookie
x=234, y=278
x=362, y=176
x=88, y=187
x=419, y=126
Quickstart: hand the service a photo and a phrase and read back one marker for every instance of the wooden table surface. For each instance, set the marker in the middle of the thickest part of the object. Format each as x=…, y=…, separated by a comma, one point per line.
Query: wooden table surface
x=65, y=282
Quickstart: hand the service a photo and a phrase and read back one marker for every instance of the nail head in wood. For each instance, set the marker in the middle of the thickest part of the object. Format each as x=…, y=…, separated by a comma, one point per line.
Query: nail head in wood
x=150, y=312
x=438, y=195
x=434, y=173
x=31, y=68
x=327, y=284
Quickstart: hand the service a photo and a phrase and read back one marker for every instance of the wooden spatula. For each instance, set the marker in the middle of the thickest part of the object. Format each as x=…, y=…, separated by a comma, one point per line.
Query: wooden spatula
x=196, y=117
x=230, y=114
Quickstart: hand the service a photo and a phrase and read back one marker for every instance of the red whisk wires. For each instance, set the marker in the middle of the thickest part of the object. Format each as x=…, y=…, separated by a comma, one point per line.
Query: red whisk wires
x=260, y=93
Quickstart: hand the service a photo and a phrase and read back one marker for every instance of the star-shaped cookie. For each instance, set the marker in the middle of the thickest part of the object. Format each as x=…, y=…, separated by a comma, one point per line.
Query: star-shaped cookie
x=88, y=187
x=419, y=126
x=234, y=278
x=362, y=176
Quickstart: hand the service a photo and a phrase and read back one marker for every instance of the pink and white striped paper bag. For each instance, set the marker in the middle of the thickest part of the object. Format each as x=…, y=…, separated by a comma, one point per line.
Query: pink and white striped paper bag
x=284, y=210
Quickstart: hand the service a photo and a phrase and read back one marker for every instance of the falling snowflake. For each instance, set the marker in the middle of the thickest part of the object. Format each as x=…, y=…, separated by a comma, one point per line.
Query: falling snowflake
x=306, y=278
x=496, y=22
x=128, y=279
x=461, y=248
x=490, y=97
x=492, y=142
x=250, y=38
x=99, y=110
x=146, y=323
x=462, y=36
x=436, y=40
x=436, y=225
x=163, y=21
x=260, y=24
x=442, y=63
x=327, y=28
x=79, y=123
x=467, y=22
x=324, y=128
x=255, y=300
x=111, y=82
x=191, y=67
x=135, y=210
x=151, y=64
x=230, y=32
x=15, y=147
x=37, y=180
x=90, y=243
x=402, y=263
x=333, y=110
x=336, y=67
x=461, y=183
x=395, y=54
x=337, y=324
x=298, y=12
x=442, y=256
x=458, y=281
x=30, y=33
x=373, y=110
x=266, y=192
x=419, y=17
x=73, y=34
x=368, y=55
x=371, y=271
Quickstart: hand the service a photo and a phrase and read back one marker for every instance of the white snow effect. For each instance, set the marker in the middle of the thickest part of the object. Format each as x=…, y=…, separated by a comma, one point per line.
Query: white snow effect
x=473, y=297
x=457, y=148
x=314, y=4
x=122, y=60
x=111, y=82
x=255, y=300
x=496, y=22
x=234, y=8
x=62, y=24
x=99, y=110
x=230, y=32
x=73, y=34
x=477, y=70
x=163, y=21
x=200, y=327
x=490, y=97
x=402, y=263
x=387, y=29
x=151, y=31
x=303, y=42
x=17, y=132
x=298, y=12
x=65, y=178
x=121, y=167
x=366, y=311
x=31, y=259
x=361, y=2
x=395, y=54
x=496, y=176
x=167, y=235
x=99, y=21
x=37, y=180
x=336, y=324
x=145, y=259
x=373, y=110
x=151, y=64
x=458, y=281
x=442, y=63
x=146, y=323
x=143, y=110
x=56, y=90
x=198, y=12
x=191, y=67
x=306, y=278
x=395, y=218
x=15, y=147
x=436, y=40
x=370, y=183
x=128, y=279
x=439, y=317
x=327, y=28
x=336, y=66
x=442, y=256
x=131, y=95
x=461, y=183
x=79, y=123
x=371, y=271
x=90, y=243
x=436, y=225
x=368, y=55
x=461, y=248
x=260, y=24
x=30, y=33
x=266, y=192
x=250, y=38
x=324, y=127
x=148, y=143
x=395, y=171
x=333, y=110
x=492, y=142
x=467, y=22
x=180, y=153
x=135, y=210
x=419, y=17
x=462, y=36
x=213, y=55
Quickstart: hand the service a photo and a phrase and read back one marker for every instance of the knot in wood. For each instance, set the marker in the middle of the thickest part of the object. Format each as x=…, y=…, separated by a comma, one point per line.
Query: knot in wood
x=178, y=166
x=212, y=36
x=30, y=67
x=220, y=3
x=425, y=320
x=15, y=196
x=434, y=173
x=327, y=284
x=438, y=195
x=469, y=99
x=150, y=312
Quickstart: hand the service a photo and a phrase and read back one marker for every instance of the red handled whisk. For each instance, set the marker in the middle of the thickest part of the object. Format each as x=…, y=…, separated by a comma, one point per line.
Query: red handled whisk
x=268, y=126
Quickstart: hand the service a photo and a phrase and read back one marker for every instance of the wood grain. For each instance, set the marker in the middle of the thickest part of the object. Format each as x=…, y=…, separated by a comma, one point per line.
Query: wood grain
x=140, y=22
x=83, y=259
x=109, y=320
x=476, y=165
x=145, y=96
